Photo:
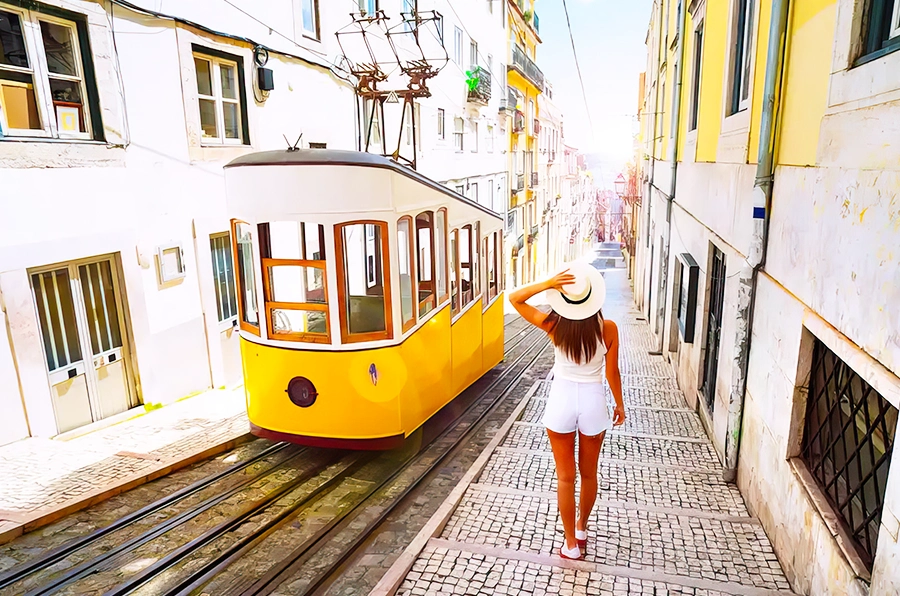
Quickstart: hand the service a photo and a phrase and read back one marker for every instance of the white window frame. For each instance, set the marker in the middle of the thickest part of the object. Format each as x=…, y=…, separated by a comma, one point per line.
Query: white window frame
x=215, y=66
x=474, y=137
x=457, y=45
x=314, y=33
x=459, y=133
x=441, y=124
x=895, y=20
x=473, y=52
x=40, y=75
x=746, y=68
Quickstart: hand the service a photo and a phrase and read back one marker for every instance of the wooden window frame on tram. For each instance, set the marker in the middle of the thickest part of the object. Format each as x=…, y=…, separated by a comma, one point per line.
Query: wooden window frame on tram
x=271, y=305
x=432, y=299
x=386, y=281
x=244, y=325
x=411, y=258
x=444, y=292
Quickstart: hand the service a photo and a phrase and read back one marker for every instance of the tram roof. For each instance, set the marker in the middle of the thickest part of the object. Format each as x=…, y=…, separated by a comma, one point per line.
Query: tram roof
x=339, y=157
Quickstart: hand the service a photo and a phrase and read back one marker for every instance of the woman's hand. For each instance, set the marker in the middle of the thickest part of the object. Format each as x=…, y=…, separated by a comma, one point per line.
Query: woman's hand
x=619, y=415
x=559, y=280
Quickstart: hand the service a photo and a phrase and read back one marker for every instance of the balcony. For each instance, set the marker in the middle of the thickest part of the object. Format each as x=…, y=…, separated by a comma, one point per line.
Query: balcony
x=525, y=67
x=537, y=127
x=518, y=122
x=479, y=83
x=519, y=183
x=534, y=179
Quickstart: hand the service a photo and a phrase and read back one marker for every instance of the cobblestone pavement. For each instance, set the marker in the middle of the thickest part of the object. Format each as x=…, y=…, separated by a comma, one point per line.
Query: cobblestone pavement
x=665, y=521
x=44, y=479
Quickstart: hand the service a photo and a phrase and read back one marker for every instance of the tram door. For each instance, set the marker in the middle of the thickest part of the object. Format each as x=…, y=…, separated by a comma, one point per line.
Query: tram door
x=82, y=331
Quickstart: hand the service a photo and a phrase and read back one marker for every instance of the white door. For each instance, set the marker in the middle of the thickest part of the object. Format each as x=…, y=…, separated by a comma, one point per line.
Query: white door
x=80, y=314
x=226, y=304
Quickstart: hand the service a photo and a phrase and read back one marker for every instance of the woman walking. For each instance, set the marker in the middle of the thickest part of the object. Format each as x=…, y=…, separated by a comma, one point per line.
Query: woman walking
x=586, y=349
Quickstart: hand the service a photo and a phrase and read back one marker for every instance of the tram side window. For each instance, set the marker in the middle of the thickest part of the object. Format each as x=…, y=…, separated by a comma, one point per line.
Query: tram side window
x=425, y=261
x=243, y=256
x=476, y=260
x=465, y=266
x=293, y=260
x=365, y=297
x=491, y=251
x=440, y=250
x=454, y=272
x=405, y=260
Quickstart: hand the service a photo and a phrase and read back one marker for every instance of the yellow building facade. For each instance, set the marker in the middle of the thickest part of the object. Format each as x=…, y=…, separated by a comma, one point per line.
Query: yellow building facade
x=767, y=263
x=525, y=83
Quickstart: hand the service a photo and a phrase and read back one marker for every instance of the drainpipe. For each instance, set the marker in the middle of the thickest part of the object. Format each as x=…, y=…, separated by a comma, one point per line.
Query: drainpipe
x=648, y=261
x=674, y=135
x=756, y=259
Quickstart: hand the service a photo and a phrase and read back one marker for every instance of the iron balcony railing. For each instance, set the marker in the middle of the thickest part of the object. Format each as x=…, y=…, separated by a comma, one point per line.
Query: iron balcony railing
x=527, y=68
x=481, y=92
x=518, y=122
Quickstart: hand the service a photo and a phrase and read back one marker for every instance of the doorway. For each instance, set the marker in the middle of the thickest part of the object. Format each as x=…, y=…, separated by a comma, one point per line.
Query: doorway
x=713, y=328
x=79, y=308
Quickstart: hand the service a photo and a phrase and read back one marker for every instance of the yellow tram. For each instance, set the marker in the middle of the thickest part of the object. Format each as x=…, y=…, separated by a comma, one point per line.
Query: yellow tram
x=369, y=295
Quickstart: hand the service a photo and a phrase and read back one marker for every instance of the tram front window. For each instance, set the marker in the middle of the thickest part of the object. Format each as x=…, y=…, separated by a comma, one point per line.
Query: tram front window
x=293, y=260
x=364, y=294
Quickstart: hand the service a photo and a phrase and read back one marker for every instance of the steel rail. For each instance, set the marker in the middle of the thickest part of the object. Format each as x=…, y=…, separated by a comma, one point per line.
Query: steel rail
x=296, y=560
x=91, y=566
x=62, y=551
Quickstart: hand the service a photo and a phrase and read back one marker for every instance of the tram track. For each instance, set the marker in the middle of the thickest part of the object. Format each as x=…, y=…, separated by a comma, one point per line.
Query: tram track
x=177, y=570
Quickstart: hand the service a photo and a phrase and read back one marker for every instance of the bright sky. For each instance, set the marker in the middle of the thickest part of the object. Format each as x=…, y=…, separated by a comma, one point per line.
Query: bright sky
x=609, y=37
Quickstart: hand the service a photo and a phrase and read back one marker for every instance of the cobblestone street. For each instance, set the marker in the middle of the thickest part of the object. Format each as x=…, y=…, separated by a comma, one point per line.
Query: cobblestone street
x=45, y=479
x=665, y=521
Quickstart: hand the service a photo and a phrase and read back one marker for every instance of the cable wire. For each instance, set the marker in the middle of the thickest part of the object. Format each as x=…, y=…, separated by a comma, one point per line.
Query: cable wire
x=578, y=68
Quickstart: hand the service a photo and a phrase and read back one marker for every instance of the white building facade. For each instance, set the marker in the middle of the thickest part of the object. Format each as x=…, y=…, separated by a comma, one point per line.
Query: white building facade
x=551, y=172
x=116, y=268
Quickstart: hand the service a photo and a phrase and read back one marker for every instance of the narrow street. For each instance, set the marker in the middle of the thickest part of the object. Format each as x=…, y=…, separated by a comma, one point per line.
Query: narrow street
x=665, y=521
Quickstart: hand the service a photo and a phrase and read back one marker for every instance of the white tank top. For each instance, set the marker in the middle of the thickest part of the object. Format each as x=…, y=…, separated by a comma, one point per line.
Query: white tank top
x=593, y=371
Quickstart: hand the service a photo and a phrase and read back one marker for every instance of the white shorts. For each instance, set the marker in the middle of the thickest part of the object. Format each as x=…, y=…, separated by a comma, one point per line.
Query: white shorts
x=575, y=406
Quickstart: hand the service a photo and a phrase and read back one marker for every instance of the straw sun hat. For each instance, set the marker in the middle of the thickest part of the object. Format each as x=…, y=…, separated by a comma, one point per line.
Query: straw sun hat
x=581, y=299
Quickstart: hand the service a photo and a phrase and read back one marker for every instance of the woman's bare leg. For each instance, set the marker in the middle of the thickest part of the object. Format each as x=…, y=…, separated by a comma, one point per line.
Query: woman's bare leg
x=588, y=454
x=563, y=445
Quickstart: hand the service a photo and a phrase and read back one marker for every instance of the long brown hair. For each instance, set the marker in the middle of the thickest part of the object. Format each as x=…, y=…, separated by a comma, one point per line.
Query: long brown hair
x=577, y=339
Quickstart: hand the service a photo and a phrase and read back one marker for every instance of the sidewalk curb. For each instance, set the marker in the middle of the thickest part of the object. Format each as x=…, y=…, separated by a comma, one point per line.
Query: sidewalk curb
x=395, y=575
x=31, y=520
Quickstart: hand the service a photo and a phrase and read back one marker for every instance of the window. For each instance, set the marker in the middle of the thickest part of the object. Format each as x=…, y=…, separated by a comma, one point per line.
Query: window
x=458, y=133
x=454, y=272
x=318, y=145
x=741, y=55
x=492, y=255
x=404, y=250
x=883, y=27
x=369, y=7
x=293, y=262
x=223, y=276
x=311, y=18
x=365, y=297
x=46, y=76
x=474, y=191
x=847, y=445
x=460, y=189
x=408, y=119
x=372, y=124
x=473, y=53
x=440, y=249
x=221, y=99
x=490, y=4
x=466, y=281
x=246, y=275
x=695, y=81
x=474, y=137
x=476, y=260
x=441, y=120
x=425, y=262
x=490, y=139
x=457, y=45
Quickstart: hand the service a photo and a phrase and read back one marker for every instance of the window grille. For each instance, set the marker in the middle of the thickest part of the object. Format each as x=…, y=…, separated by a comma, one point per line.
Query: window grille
x=847, y=444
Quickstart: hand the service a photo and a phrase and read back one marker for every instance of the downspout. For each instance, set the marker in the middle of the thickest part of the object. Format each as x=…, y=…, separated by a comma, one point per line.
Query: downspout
x=648, y=261
x=756, y=259
x=674, y=135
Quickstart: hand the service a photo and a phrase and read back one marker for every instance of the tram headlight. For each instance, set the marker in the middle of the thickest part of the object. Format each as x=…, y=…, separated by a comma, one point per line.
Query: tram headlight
x=302, y=392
